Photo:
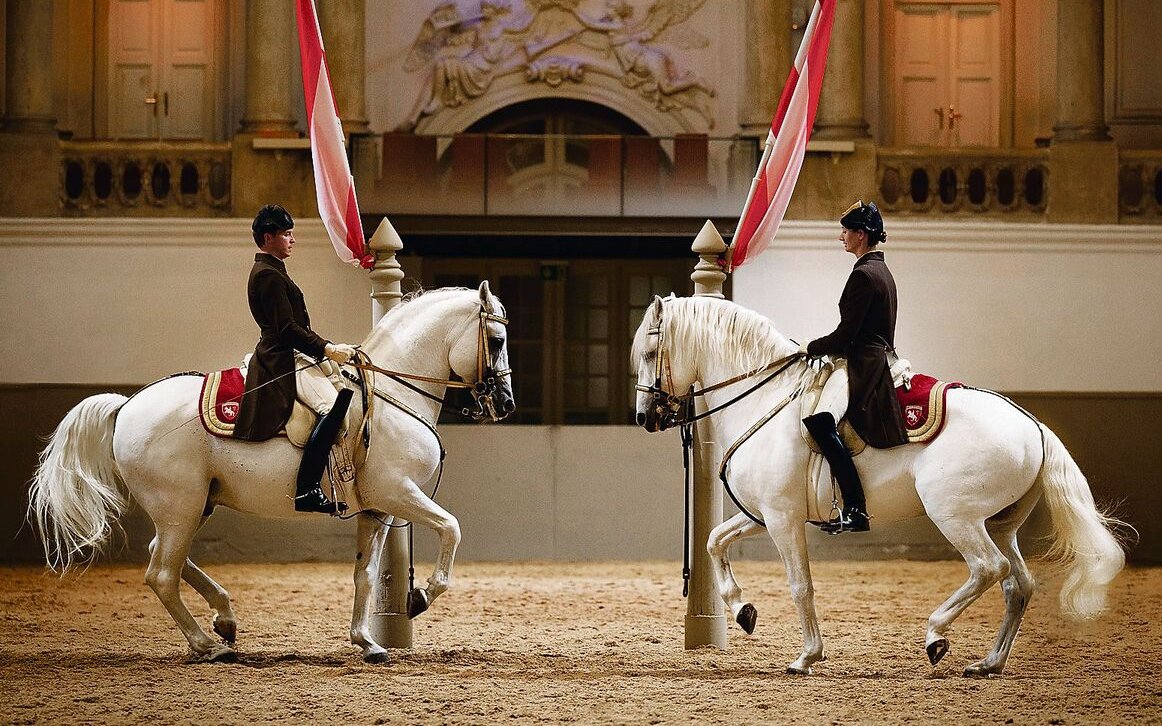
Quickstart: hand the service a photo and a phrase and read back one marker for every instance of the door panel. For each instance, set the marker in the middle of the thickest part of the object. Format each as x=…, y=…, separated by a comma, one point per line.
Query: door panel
x=164, y=50
x=975, y=70
x=947, y=74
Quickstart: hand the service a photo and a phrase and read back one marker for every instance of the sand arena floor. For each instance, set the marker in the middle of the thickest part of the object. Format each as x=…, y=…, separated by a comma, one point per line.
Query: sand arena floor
x=591, y=642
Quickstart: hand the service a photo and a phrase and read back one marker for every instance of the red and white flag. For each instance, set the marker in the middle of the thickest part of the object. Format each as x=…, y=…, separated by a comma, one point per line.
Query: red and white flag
x=334, y=185
x=770, y=193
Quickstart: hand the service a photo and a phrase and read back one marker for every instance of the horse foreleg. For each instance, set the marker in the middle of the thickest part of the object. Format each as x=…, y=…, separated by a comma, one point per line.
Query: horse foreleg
x=418, y=508
x=166, y=564
x=368, y=556
x=986, y=565
x=791, y=540
x=1018, y=588
x=718, y=546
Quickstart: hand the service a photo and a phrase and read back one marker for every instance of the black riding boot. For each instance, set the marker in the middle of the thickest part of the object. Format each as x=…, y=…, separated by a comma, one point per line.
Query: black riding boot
x=854, y=518
x=309, y=496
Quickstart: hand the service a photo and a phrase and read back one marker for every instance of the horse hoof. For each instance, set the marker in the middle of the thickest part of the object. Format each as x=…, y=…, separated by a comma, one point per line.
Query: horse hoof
x=794, y=670
x=979, y=670
x=747, y=617
x=227, y=630
x=417, y=602
x=222, y=655
x=376, y=657
x=937, y=649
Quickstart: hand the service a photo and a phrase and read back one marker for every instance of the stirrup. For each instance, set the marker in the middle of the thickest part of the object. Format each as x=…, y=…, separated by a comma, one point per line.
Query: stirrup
x=316, y=501
x=849, y=520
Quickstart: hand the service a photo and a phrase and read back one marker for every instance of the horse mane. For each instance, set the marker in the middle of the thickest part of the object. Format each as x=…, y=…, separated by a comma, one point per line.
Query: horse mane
x=719, y=330
x=439, y=294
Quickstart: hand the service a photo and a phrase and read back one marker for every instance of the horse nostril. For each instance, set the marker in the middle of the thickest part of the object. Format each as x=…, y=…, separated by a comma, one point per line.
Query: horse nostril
x=508, y=406
x=641, y=419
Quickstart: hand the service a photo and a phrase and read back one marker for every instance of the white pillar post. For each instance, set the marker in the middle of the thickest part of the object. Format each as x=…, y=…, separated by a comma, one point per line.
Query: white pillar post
x=705, y=621
x=390, y=626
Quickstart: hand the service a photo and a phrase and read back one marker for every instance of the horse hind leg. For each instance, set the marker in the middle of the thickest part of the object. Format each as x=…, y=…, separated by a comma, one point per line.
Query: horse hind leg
x=1018, y=589
x=986, y=565
x=216, y=596
x=718, y=545
x=167, y=563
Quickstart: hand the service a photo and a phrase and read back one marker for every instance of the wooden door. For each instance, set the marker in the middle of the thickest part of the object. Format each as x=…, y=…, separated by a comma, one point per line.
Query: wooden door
x=161, y=68
x=947, y=74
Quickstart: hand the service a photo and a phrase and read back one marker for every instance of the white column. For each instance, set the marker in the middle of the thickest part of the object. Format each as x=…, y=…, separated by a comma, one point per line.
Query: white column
x=271, y=57
x=768, y=62
x=343, y=25
x=1080, y=71
x=705, y=621
x=28, y=64
x=840, y=114
x=390, y=626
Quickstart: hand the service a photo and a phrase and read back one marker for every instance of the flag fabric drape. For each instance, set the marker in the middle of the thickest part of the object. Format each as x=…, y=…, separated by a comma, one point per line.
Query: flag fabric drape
x=334, y=185
x=770, y=193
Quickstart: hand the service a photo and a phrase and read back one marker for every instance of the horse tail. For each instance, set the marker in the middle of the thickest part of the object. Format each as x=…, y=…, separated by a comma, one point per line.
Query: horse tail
x=74, y=499
x=1082, y=537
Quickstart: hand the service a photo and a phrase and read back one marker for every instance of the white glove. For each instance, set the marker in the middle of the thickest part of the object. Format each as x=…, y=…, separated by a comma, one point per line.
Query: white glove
x=339, y=352
x=803, y=349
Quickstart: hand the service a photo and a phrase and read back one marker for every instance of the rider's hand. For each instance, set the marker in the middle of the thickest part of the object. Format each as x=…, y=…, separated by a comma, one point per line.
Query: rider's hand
x=339, y=352
x=803, y=349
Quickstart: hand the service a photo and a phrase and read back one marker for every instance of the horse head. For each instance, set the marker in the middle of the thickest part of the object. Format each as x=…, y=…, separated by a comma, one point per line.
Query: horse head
x=479, y=355
x=665, y=371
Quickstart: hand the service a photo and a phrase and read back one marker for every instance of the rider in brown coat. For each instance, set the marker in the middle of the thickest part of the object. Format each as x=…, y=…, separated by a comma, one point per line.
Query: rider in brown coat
x=280, y=310
x=866, y=332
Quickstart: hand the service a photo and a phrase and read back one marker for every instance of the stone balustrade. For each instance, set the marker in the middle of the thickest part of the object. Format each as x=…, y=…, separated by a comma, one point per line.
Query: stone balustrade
x=1140, y=186
x=1013, y=183
x=145, y=179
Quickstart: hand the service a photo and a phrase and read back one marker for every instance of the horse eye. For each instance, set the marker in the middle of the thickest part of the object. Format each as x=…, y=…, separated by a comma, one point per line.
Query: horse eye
x=495, y=343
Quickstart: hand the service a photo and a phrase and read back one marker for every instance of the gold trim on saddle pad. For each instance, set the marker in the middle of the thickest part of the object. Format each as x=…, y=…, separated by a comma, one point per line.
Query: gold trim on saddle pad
x=936, y=412
x=209, y=409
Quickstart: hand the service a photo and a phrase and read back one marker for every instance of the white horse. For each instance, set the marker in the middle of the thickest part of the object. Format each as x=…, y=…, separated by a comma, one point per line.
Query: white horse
x=977, y=481
x=153, y=444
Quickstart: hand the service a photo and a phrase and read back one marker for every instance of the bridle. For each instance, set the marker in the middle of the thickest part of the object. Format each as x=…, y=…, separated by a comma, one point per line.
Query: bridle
x=678, y=410
x=487, y=376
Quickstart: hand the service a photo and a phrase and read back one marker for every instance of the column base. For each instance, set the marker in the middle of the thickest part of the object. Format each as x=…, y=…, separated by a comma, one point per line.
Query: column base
x=36, y=190
x=1083, y=182
x=391, y=630
x=702, y=630
x=271, y=176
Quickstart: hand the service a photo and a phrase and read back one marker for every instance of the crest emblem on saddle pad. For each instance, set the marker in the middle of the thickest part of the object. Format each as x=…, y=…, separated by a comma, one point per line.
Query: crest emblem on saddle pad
x=229, y=411
x=913, y=415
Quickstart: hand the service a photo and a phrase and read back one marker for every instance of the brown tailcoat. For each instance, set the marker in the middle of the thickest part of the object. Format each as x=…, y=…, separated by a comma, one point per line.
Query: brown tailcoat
x=278, y=307
x=867, y=330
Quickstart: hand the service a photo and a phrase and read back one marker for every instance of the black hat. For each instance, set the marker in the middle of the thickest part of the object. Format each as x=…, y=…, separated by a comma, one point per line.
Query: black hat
x=271, y=218
x=865, y=217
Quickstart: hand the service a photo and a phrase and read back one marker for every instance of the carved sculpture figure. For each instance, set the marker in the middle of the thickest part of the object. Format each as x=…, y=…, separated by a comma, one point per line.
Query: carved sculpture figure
x=465, y=54
x=648, y=67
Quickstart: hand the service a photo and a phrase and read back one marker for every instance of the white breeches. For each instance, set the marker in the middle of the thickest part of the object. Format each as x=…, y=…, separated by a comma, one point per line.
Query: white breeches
x=834, y=397
x=317, y=384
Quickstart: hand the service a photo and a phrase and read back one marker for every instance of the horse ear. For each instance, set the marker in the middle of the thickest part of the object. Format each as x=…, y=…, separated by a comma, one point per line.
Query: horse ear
x=657, y=306
x=485, y=294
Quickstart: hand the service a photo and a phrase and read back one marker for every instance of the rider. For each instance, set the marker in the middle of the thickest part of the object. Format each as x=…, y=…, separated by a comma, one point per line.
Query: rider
x=861, y=385
x=285, y=342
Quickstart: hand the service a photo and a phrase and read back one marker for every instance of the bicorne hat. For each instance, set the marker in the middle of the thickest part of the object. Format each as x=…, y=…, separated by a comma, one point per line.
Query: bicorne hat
x=865, y=217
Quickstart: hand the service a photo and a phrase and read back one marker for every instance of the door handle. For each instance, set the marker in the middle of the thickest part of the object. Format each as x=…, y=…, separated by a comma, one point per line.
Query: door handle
x=939, y=112
x=165, y=103
x=151, y=100
x=952, y=116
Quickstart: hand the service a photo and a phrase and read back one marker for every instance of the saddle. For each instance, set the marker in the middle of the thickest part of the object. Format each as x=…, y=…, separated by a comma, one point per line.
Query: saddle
x=922, y=400
x=218, y=406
